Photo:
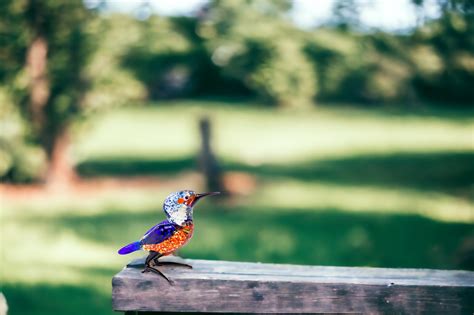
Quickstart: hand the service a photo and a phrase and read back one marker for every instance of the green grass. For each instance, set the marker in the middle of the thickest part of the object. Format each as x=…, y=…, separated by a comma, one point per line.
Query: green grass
x=261, y=135
x=335, y=186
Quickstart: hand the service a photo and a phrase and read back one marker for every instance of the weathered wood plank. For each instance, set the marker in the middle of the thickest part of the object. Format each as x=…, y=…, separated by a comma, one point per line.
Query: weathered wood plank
x=222, y=286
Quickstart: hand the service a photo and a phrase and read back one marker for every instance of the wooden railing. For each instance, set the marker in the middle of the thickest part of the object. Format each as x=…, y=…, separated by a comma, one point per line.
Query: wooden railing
x=239, y=287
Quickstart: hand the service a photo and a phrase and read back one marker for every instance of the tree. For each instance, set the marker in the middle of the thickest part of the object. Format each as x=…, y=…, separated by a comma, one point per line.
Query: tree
x=253, y=41
x=47, y=45
x=447, y=44
x=345, y=14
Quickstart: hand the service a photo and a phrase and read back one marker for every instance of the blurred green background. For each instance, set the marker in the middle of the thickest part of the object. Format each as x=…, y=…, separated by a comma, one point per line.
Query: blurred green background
x=339, y=144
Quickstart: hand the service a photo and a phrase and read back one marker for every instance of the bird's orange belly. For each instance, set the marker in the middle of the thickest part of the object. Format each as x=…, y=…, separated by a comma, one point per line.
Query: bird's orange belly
x=179, y=239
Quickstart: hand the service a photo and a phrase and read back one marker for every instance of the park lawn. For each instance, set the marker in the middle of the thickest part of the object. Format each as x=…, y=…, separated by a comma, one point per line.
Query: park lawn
x=252, y=134
x=335, y=186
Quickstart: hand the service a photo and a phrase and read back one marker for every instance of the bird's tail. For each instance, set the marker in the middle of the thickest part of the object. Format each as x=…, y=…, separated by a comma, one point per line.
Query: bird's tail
x=130, y=248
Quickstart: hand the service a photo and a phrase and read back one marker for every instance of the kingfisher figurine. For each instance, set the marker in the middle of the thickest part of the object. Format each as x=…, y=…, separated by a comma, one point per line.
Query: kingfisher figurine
x=171, y=234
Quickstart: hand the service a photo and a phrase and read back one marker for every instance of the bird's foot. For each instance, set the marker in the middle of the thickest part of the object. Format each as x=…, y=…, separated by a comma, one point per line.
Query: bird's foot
x=158, y=272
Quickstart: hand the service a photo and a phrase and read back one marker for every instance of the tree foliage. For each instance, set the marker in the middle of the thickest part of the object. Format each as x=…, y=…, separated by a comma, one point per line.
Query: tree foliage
x=253, y=42
x=434, y=63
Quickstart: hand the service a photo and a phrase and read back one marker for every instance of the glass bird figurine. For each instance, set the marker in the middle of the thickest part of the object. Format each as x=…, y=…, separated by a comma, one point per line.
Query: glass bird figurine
x=171, y=234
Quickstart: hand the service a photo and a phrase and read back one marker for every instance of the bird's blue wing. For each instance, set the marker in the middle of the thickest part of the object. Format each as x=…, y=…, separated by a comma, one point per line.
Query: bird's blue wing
x=155, y=226
x=160, y=232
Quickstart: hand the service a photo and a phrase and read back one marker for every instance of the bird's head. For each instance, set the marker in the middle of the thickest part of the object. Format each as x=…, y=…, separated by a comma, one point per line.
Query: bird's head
x=179, y=205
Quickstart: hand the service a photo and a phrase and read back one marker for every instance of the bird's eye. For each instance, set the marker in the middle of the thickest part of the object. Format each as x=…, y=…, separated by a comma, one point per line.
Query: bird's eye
x=186, y=198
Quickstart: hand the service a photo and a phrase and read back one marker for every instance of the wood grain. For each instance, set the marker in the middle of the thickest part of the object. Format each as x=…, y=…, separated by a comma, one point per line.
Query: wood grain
x=223, y=286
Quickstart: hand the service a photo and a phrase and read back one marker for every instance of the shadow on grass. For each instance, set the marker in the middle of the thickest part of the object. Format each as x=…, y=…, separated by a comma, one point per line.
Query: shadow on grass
x=451, y=172
x=132, y=167
x=456, y=113
x=319, y=237
x=55, y=299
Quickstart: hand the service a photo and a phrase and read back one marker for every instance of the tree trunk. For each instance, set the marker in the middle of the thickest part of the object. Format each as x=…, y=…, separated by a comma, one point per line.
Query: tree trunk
x=207, y=160
x=36, y=64
x=61, y=173
x=55, y=139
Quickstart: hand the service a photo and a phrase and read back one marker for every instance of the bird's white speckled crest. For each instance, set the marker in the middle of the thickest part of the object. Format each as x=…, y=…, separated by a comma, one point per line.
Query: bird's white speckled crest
x=176, y=212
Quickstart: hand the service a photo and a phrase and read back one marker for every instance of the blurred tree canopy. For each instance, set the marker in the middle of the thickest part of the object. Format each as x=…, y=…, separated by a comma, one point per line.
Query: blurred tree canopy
x=445, y=68
x=434, y=63
x=60, y=61
x=253, y=42
x=250, y=48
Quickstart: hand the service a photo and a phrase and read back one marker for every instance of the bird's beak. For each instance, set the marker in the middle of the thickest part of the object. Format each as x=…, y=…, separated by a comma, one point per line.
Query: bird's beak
x=199, y=196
